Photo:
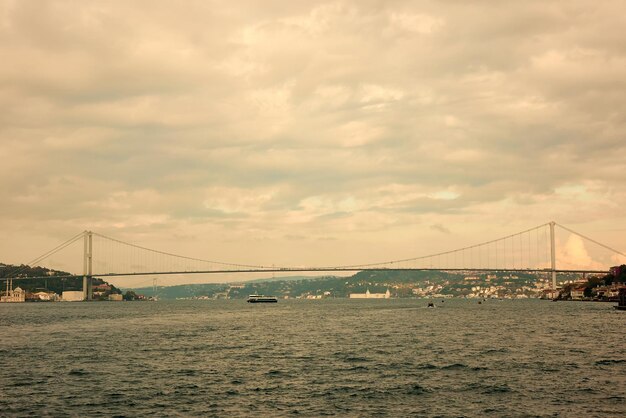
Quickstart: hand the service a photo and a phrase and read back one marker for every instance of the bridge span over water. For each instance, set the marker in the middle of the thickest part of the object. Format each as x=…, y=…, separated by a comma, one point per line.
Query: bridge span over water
x=529, y=251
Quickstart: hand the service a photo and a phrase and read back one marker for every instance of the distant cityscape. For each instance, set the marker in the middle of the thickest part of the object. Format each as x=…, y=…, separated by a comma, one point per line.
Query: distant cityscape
x=425, y=285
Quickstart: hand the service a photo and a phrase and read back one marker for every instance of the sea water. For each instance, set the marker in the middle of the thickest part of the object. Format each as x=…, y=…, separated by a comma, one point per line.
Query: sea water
x=313, y=358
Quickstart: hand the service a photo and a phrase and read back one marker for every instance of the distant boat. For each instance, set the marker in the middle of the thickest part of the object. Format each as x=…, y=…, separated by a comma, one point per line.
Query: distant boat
x=262, y=299
x=431, y=305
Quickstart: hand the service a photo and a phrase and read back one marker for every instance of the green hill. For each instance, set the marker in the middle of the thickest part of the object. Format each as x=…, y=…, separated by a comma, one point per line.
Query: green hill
x=35, y=279
x=400, y=284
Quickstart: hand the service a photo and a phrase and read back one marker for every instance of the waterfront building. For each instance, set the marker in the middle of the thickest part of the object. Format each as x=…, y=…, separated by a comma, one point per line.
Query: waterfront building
x=72, y=296
x=577, y=293
x=116, y=297
x=550, y=294
x=368, y=295
x=43, y=296
x=13, y=295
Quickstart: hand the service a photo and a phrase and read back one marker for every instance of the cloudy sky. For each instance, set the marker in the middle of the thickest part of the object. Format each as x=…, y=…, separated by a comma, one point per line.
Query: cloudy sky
x=299, y=133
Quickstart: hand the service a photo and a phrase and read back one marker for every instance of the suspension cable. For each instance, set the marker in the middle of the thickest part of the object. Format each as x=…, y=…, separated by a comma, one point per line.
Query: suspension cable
x=46, y=255
x=443, y=252
x=178, y=255
x=592, y=240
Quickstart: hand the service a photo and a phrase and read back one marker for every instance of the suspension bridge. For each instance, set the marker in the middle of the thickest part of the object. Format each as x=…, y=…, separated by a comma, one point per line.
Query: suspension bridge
x=531, y=250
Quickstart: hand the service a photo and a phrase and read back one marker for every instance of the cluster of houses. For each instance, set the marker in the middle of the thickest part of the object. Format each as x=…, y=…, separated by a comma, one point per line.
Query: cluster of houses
x=583, y=290
x=602, y=293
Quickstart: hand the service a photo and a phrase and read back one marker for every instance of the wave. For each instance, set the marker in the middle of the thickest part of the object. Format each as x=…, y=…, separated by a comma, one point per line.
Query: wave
x=608, y=362
x=78, y=372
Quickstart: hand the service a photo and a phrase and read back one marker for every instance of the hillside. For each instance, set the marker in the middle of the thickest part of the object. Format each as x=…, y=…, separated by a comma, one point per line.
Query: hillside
x=400, y=284
x=35, y=279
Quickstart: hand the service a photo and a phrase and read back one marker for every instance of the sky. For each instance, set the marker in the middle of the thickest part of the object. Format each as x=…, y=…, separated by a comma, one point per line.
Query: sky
x=310, y=133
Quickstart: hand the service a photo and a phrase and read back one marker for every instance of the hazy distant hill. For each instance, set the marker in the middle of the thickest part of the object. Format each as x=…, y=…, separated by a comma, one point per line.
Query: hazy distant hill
x=374, y=281
x=210, y=289
x=400, y=283
x=183, y=290
x=279, y=279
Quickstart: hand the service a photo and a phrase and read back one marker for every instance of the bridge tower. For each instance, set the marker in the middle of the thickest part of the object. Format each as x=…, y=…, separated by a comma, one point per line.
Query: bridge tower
x=553, y=254
x=87, y=265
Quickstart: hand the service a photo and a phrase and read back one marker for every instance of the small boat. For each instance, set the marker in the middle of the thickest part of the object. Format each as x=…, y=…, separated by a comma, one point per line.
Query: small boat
x=262, y=299
x=431, y=305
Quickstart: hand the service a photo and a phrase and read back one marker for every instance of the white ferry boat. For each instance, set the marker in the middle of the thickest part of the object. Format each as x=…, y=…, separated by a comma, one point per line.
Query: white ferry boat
x=261, y=299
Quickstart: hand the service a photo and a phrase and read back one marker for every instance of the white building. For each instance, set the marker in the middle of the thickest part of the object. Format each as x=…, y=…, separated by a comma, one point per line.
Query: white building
x=72, y=296
x=13, y=295
x=368, y=295
x=44, y=296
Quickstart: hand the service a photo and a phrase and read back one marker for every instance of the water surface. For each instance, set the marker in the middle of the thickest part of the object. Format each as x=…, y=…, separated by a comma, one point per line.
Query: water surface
x=313, y=358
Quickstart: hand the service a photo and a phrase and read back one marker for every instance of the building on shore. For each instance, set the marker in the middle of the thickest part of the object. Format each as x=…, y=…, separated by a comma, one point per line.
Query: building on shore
x=13, y=295
x=550, y=294
x=72, y=296
x=115, y=297
x=577, y=293
x=368, y=295
x=43, y=297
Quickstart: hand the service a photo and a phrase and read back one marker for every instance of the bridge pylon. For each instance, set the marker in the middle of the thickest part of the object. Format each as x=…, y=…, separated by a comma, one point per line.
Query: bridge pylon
x=553, y=254
x=87, y=265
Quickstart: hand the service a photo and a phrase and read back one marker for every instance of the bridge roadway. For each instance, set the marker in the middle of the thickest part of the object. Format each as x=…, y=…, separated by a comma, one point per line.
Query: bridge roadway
x=320, y=270
x=347, y=269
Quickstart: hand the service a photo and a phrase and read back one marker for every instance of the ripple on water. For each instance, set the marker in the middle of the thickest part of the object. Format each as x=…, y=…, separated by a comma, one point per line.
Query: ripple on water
x=609, y=362
x=416, y=389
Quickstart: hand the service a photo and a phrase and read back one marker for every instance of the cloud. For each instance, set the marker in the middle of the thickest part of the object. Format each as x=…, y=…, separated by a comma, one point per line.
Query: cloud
x=574, y=255
x=354, y=120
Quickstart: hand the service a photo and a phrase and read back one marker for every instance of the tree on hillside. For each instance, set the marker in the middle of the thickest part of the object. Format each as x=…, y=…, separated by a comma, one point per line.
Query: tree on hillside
x=130, y=295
